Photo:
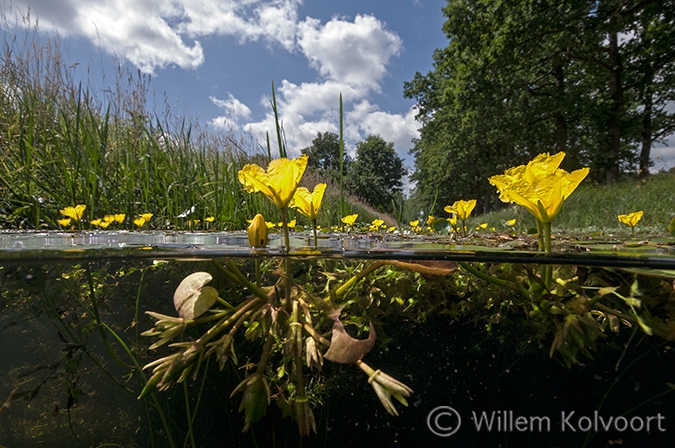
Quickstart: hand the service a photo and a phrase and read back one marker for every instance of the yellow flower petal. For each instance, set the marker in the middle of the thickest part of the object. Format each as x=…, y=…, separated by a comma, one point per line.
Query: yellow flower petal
x=350, y=219
x=278, y=183
x=308, y=203
x=541, y=187
x=461, y=208
x=257, y=232
x=632, y=218
x=74, y=212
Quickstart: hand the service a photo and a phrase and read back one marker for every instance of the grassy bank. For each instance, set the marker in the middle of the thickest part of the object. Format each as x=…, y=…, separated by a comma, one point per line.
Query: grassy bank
x=594, y=208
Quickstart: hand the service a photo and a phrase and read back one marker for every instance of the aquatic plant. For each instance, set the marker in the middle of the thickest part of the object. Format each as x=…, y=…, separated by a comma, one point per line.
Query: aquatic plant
x=541, y=187
x=462, y=209
x=285, y=317
x=631, y=220
x=309, y=204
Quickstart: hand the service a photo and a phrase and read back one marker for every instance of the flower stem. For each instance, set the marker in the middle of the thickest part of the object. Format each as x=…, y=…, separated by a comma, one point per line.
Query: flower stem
x=540, y=235
x=236, y=276
x=257, y=273
x=316, y=241
x=287, y=261
x=548, y=269
x=497, y=281
x=342, y=290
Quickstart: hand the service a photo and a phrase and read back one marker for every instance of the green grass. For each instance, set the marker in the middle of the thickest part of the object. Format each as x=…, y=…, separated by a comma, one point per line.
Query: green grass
x=595, y=208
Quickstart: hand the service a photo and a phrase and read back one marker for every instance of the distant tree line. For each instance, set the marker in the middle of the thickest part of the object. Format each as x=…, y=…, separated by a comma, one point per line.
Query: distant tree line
x=592, y=78
x=375, y=175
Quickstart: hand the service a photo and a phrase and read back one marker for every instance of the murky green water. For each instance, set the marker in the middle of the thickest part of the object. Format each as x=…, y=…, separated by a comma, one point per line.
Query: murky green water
x=73, y=308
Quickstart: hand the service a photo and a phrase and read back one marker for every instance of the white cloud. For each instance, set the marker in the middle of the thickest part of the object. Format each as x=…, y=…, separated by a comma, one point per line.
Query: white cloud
x=235, y=111
x=396, y=128
x=139, y=31
x=308, y=109
x=354, y=53
x=153, y=34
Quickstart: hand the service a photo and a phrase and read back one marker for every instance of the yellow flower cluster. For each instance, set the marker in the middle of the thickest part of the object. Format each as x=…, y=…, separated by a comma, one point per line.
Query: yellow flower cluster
x=71, y=214
x=109, y=219
x=142, y=219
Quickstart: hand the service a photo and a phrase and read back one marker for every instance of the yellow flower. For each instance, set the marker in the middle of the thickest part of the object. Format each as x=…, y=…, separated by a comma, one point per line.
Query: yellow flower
x=74, y=212
x=632, y=218
x=463, y=209
x=209, y=219
x=257, y=231
x=140, y=221
x=291, y=224
x=453, y=220
x=540, y=186
x=511, y=222
x=271, y=225
x=482, y=226
x=430, y=221
x=350, y=219
x=376, y=225
x=146, y=216
x=100, y=223
x=278, y=183
x=120, y=217
x=309, y=203
x=65, y=222
x=415, y=223
x=109, y=218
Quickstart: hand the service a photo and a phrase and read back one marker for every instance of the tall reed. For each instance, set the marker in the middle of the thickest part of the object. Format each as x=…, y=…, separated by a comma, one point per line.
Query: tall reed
x=64, y=142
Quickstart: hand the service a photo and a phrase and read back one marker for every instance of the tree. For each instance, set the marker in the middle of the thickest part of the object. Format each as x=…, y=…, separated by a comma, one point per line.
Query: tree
x=521, y=77
x=324, y=156
x=376, y=176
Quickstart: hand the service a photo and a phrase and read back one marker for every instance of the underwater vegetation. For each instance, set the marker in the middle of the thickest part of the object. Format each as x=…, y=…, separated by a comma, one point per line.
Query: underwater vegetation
x=569, y=307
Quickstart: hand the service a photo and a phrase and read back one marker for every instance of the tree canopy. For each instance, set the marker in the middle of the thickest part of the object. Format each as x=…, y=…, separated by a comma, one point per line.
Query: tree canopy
x=324, y=156
x=521, y=77
x=376, y=176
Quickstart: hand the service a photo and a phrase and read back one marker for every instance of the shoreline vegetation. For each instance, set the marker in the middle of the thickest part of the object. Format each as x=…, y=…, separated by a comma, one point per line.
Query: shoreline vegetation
x=66, y=143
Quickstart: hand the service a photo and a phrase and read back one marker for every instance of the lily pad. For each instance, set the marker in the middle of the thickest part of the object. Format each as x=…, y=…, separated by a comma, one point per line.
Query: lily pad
x=192, y=298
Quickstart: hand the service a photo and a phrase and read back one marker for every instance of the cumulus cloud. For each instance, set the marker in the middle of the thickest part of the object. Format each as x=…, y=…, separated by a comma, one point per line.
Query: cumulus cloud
x=308, y=109
x=235, y=112
x=400, y=129
x=153, y=34
x=355, y=52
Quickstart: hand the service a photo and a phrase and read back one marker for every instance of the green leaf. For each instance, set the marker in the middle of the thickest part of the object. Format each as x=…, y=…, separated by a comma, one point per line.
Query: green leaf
x=647, y=329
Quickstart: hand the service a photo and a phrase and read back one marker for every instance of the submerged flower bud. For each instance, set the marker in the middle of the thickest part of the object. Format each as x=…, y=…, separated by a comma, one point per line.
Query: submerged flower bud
x=257, y=232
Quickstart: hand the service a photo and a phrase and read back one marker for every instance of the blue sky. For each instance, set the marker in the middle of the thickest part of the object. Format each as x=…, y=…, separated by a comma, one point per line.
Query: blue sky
x=216, y=59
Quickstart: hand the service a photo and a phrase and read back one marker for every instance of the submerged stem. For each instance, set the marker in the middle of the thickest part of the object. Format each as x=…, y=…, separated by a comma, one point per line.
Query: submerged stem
x=497, y=281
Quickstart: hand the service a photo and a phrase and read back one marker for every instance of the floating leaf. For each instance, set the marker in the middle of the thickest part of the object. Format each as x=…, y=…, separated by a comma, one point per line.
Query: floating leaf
x=192, y=298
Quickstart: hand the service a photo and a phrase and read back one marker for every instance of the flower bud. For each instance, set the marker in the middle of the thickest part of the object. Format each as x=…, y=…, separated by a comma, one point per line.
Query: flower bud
x=257, y=232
